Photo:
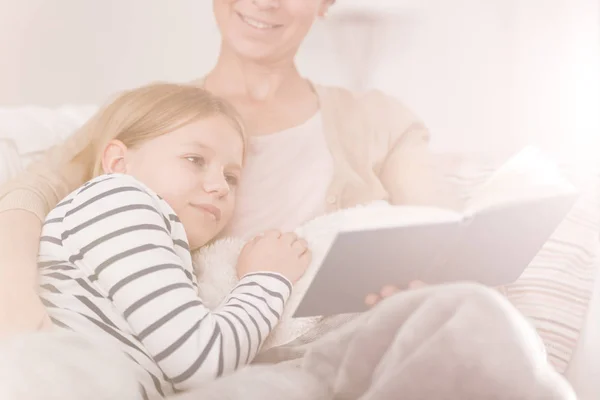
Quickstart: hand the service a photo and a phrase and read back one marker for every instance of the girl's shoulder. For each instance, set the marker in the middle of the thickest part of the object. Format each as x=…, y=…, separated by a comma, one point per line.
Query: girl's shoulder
x=112, y=183
x=115, y=189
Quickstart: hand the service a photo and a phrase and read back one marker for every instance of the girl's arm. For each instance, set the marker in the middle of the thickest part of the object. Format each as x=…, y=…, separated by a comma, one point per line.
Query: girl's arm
x=124, y=237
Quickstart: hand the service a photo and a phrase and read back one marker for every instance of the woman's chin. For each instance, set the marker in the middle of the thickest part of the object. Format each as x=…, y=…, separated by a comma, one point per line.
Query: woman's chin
x=253, y=50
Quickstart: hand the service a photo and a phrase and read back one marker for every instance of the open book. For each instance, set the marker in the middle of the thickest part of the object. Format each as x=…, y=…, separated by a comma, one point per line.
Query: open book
x=502, y=228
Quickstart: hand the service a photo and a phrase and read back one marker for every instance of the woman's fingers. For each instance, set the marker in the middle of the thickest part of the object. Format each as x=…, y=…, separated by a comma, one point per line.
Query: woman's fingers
x=372, y=299
x=390, y=290
x=417, y=285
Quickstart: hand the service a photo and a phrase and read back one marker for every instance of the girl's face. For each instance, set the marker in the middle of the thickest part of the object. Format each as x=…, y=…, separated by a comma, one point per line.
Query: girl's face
x=195, y=169
x=266, y=29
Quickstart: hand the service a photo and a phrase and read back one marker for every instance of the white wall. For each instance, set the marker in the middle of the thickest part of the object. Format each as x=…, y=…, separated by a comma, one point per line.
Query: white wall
x=499, y=74
x=558, y=74
x=83, y=50
x=496, y=72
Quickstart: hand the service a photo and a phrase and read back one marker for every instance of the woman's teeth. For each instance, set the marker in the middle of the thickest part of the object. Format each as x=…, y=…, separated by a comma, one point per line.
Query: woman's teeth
x=257, y=24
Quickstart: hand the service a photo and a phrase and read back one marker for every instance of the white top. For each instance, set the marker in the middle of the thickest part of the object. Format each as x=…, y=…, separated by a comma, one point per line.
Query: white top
x=115, y=266
x=285, y=180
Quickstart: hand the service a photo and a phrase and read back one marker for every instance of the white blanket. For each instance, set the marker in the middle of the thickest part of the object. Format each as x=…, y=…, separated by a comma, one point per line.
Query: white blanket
x=441, y=342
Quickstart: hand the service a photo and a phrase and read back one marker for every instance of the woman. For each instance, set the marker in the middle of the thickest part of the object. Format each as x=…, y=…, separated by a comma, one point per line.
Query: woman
x=331, y=148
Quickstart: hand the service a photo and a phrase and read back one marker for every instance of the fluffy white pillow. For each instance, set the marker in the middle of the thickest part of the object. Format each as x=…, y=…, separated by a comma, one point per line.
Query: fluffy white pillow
x=10, y=162
x=26, y=132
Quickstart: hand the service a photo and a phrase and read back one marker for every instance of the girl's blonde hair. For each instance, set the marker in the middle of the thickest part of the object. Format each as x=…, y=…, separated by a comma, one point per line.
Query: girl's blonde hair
x=150, y=111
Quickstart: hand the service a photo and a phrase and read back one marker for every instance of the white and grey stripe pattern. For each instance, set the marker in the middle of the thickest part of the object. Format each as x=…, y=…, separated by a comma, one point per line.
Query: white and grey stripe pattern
x=115, y=266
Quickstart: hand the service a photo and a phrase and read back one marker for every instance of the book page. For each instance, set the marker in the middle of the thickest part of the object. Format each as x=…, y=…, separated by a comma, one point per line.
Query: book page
x=363, y=261
x=528, y=175
x=393, y=216
x=498, y=243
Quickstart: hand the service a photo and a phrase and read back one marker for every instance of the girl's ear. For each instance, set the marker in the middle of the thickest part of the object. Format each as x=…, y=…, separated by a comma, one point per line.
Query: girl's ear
x=113, y=158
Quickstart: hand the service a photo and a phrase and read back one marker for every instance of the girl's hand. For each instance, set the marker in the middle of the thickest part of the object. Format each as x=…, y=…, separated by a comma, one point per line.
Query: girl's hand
x=282, y=253
x=389, y=290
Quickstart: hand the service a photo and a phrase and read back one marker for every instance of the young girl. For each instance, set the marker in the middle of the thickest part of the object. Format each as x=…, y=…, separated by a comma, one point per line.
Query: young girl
x=115, y=254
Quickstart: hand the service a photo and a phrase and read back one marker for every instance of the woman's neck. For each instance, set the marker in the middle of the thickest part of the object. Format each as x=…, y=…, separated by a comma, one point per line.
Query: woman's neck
x=234, y=77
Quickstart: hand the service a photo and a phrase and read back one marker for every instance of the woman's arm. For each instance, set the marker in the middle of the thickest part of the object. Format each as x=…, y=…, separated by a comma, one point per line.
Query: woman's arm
x=20, y=307
x=24, y=203
x=408, y=172
x=120, y=234
x=45, y=182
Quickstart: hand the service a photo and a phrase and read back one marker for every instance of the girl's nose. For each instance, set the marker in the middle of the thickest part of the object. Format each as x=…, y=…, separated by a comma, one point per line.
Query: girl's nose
x=216, y=185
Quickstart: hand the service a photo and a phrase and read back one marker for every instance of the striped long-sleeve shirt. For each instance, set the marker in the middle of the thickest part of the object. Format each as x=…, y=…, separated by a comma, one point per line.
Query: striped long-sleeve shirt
x=116, y=266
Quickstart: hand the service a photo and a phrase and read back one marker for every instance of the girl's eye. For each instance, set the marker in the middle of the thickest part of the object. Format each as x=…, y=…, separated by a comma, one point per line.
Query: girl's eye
x=232, y=180
x=196, y=160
